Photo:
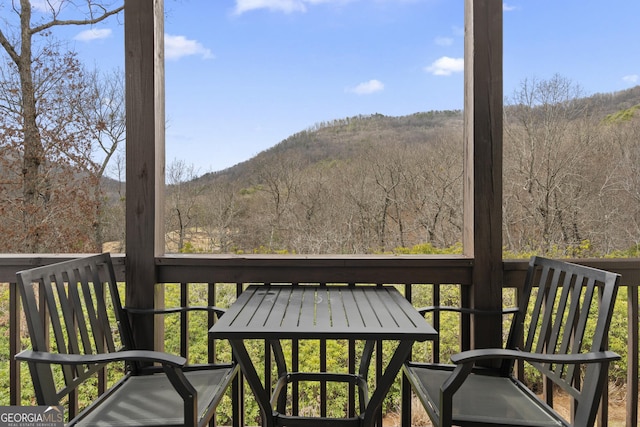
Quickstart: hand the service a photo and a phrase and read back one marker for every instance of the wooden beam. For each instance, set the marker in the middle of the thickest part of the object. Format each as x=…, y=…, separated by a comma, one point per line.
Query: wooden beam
x=483, y=107
x=145, y=98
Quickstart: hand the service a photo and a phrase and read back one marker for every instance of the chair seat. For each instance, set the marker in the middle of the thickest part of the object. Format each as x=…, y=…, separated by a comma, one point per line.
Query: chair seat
x=151, y=399
x=481, y=399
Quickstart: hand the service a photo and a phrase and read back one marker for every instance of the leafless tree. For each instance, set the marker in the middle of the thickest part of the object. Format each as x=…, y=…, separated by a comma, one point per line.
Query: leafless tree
x=362, y=207
x=221, y=212
x=113, y=207
x=277, y=177
x=18, y=40
x=102, y=116
x=621, y=144
x=316, y=217
x=182, y=202
x=548, y=141
x=434, y=189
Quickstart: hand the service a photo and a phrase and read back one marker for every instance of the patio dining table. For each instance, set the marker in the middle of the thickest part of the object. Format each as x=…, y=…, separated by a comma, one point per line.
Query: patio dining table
x=277, y=312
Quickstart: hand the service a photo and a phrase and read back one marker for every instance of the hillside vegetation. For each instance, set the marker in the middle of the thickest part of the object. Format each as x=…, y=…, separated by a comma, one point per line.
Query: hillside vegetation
x=379, y=184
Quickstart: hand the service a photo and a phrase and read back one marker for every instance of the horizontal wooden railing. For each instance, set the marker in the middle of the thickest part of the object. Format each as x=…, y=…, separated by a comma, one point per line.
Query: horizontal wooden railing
x=411, y=273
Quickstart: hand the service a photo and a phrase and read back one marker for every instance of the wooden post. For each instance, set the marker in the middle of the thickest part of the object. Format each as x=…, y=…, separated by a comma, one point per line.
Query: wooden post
x=145, y=97
x=483, y=107
x=632, y=355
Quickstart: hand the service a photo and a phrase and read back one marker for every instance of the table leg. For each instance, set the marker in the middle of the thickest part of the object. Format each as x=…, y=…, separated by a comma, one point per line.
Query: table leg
x=388, y=377
x=250, y=373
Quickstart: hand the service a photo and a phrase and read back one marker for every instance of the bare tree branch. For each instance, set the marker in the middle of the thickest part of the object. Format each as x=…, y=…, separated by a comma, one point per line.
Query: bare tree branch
x=91, y=21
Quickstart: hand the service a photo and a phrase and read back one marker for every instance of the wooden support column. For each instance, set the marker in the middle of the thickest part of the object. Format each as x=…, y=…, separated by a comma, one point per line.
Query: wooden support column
x=483, y=108
x=145, y=163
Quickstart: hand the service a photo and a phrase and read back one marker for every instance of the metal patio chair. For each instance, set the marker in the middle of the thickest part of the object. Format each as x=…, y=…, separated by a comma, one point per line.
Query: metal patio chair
x=552, y=331
x=78, y=326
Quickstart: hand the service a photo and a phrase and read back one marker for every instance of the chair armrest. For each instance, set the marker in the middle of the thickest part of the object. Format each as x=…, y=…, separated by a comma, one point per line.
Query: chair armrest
x=432, y=308
x=87, y=359
x=471, y=356
x=211, y=308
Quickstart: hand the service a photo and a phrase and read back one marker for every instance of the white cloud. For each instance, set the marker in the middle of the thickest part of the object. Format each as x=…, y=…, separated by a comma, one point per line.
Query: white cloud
x=507, y=7
x=446, y=66
x=632, y=78
x=367, y=88
x=286, y=6
x=175, y=47
x=444, y=41
x=93, y=34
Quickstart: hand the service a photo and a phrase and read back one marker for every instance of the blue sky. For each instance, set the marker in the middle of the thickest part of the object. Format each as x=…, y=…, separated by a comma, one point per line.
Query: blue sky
x=242, y=75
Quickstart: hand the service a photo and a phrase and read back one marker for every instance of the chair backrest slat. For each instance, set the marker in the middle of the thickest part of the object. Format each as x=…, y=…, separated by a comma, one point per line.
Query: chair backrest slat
x=566, y=317
x=589, y=301
x=71, y=313
x=55, y=315
x=564, y=313
x=549, y=292
x=95, y=296
x=83, y=330
x=538, y=306
x=92, y=306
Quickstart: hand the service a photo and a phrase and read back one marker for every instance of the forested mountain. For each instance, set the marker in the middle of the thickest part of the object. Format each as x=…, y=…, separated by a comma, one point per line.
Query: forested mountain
x=374, y=184
x=344, y=138
x=335, y=188
x=337, y=138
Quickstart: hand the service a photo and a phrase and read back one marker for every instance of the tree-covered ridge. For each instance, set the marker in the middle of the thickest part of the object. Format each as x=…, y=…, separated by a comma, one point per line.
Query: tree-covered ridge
x=379, y=184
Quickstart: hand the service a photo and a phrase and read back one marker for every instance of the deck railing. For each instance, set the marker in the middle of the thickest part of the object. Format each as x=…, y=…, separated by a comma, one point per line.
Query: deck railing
x=441, y=280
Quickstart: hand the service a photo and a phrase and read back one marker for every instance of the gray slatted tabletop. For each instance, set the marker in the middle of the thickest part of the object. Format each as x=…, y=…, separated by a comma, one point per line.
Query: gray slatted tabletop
x=275, y=312
x=316, y=312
